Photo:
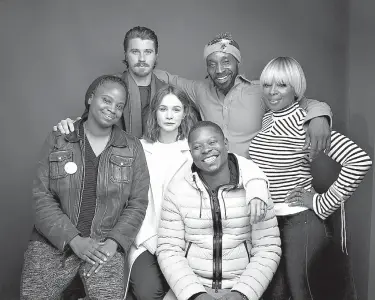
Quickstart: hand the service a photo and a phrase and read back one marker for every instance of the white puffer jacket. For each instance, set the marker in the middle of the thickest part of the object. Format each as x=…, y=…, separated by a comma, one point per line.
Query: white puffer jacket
x=198, y=247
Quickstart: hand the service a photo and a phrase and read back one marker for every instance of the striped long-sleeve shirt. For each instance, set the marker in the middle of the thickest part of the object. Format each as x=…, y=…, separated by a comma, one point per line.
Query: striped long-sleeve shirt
x=277, y=149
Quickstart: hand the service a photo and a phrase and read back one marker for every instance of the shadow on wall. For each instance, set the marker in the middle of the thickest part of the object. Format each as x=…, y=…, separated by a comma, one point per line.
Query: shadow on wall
x=358, y=219
x=336, y=283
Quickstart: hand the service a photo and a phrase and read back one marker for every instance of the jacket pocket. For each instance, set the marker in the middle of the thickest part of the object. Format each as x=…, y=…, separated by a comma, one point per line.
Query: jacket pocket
x=57, y=162
x=120, y=168
x=187, y=249
x=247, y=250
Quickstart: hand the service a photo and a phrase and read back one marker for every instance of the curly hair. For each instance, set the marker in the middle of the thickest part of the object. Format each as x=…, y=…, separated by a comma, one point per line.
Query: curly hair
x=191, y=112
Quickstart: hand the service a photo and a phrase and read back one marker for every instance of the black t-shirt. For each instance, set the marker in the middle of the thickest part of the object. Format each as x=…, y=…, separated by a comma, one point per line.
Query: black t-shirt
x=145, y=94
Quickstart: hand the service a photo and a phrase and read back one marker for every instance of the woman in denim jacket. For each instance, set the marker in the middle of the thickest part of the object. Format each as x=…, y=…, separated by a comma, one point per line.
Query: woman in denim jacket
x=90, y=198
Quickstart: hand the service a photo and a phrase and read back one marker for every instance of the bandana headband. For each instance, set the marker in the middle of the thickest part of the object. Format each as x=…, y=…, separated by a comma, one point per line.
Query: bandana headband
x=223, y=45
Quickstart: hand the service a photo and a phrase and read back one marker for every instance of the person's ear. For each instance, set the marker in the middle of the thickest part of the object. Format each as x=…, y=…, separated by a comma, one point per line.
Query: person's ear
x=90, y=100
x=226, y=144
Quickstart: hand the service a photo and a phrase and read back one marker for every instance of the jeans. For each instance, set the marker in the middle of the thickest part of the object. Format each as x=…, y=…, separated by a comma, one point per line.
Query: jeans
x=304, y=237
x=147, y=282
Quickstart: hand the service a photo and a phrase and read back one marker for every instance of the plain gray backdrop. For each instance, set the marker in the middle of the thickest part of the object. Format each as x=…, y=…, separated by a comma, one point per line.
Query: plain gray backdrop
x=52, y=50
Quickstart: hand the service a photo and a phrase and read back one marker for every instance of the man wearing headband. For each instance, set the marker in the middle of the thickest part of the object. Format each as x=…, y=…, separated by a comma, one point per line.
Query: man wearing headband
x=235, y=103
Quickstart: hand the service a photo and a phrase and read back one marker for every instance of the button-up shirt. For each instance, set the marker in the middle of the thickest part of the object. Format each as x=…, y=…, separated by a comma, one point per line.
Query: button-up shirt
x=240, y=112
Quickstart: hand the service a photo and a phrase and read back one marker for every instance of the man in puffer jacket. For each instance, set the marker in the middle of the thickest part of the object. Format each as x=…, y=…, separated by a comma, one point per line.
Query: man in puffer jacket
x=207, y=248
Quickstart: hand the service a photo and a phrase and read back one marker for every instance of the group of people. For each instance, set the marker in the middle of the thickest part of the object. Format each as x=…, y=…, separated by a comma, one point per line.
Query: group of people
x=169, y=188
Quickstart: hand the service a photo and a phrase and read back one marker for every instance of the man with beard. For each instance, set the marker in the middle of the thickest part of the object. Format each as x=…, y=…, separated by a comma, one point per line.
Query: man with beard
x=141, y=51
x=227, y=98
x=235, y=103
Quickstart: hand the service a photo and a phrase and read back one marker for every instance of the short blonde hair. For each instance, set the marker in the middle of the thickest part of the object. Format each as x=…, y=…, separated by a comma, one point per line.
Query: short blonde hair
x=285, y=70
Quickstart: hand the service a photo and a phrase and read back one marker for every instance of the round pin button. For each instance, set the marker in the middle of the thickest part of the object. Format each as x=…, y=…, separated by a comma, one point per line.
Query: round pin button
x=70, y=167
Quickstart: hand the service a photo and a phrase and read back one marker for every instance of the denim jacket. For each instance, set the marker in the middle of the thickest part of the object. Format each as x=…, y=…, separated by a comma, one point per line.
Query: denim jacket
x=122, y=188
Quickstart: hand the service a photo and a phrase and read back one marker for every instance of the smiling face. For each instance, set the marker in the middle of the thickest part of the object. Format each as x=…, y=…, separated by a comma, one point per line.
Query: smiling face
x=278, y=95
x=170, y=114
x=141, y=56
x=107, y=104
x=283, y=82
x=223, y=70
x=209, y=149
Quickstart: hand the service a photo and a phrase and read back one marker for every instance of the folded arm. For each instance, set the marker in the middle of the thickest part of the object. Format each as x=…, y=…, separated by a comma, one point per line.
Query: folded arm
x=318, y=123
x=355, y=163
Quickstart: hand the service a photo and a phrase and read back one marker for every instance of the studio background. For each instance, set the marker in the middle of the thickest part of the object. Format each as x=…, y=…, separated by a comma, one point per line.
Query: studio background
x=52, y=50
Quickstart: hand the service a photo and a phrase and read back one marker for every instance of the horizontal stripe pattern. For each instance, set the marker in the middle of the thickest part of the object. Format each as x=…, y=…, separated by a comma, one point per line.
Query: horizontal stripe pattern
x=277, y=149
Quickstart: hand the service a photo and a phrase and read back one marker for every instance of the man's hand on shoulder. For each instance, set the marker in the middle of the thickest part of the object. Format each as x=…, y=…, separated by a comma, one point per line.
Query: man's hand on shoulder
x=257, y=210
x=65, y=126
x=318, y=136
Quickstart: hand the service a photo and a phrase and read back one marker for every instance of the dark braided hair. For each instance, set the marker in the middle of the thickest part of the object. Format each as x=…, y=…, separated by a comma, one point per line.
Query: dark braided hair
x=99, y=82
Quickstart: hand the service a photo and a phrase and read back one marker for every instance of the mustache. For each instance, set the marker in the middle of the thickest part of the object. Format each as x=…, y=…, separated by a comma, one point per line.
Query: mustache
x=141, y=64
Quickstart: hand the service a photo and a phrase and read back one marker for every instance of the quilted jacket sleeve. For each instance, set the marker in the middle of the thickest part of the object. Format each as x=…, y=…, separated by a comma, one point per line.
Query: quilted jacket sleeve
x=253, y=179
x=171, y=252
x=265, y=257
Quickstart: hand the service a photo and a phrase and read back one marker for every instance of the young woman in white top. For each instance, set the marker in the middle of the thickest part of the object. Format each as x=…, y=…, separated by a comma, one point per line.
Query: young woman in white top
x=170, y=117
x=277, y=149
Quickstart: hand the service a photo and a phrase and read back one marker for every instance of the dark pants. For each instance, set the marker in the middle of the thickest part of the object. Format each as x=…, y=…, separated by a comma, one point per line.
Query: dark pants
x=47, y=272
x=304, y=237
x=146, y=279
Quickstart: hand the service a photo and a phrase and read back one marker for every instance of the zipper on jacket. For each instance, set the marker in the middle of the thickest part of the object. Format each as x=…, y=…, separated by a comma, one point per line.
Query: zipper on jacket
x=219, y=244
x=217, y=239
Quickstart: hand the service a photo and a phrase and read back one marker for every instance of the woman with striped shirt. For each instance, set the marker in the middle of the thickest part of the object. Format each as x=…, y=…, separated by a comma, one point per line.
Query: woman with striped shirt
x=277, y=149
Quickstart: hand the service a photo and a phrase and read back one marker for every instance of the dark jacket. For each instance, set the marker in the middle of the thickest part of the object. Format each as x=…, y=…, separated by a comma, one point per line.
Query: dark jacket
x=122, y=187
x=132, y=121
x=132, y=116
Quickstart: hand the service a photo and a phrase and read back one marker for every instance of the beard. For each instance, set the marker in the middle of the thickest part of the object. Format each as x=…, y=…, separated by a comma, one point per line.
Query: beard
x=142, y=69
